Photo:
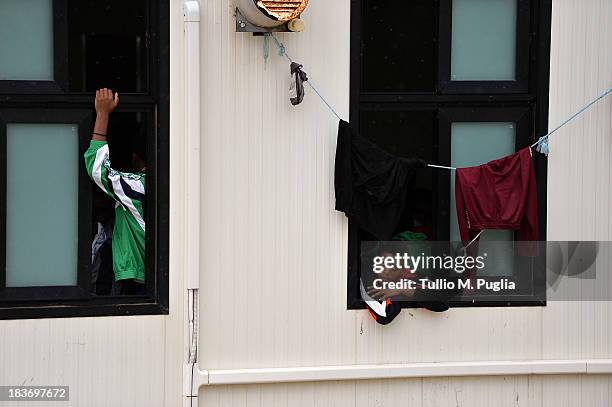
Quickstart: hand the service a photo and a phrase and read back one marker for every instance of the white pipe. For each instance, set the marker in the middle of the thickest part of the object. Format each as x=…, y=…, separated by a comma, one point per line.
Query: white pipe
x=398, y=371
x=192, y=83
x=191, y=15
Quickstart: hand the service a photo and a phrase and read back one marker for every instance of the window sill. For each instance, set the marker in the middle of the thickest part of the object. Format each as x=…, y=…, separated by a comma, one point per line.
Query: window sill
x=358, y=305
x=94, y=308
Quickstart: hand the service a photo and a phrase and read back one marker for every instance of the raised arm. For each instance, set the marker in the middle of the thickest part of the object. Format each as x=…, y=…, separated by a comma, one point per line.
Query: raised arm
x=97, y=155
x=105, y=104
x=127, y=189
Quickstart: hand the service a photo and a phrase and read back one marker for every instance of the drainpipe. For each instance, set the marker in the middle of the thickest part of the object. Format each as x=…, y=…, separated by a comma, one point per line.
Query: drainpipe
x=191, y=15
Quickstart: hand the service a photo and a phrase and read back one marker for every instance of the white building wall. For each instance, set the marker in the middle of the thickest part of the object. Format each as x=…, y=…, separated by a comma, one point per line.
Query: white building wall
x=274, y=250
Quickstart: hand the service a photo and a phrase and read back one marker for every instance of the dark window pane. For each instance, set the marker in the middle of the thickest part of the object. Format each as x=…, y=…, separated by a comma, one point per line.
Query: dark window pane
x=108, y=45
x=408, y=134
x=403, y=133
x=399, y=45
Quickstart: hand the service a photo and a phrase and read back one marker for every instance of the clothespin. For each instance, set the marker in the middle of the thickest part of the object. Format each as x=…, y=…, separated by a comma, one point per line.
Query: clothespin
x=542, y=145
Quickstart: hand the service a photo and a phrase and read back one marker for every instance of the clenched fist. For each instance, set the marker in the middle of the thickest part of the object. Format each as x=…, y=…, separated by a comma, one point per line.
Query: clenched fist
x=106, y=102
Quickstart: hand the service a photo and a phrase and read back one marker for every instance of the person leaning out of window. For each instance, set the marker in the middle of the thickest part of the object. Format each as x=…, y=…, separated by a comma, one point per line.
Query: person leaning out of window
x=127, y=189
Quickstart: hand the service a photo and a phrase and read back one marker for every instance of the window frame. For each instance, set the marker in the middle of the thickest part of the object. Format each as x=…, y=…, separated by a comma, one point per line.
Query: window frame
x=49, y=102
x=522, y=118
x=80, y=118
x=524, y=100
x=524, y=56
x=60, y=59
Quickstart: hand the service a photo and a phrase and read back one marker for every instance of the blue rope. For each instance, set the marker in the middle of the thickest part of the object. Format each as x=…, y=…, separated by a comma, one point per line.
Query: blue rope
x=542, y=143
x=283, y=52
x=266, y=48
x=281, y=48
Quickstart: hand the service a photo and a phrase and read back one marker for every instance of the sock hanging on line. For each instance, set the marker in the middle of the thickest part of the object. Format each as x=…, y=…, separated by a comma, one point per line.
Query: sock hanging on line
x=296, y=88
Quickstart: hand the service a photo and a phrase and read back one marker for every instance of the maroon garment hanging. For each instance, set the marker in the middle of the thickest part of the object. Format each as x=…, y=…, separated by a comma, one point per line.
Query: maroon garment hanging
x=500, y=194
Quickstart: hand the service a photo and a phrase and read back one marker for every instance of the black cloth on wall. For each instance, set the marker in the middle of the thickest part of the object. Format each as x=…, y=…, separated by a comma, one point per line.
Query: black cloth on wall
x=296, y=89
x=372, y=186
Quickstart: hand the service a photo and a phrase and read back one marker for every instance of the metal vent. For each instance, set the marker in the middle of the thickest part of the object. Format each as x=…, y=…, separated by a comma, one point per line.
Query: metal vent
x=283, y=10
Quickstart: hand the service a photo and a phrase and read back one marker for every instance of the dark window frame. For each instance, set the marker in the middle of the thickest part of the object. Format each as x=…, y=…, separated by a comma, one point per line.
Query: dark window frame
x=20, y=101
x=81, y=118
x=521, y=116
x=60, y=59
x=525, y=100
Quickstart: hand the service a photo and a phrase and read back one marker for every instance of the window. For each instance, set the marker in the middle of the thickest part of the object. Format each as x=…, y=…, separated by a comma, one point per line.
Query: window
x=56, y=53
x=454, y=82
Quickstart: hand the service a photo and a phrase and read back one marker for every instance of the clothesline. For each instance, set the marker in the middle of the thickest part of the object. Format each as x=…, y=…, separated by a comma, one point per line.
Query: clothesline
x=283, y=52
x=585, y=108
x=541, y=143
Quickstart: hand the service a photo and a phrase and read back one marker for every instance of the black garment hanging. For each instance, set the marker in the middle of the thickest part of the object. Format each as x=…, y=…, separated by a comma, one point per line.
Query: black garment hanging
x=372, y=186
x=296, y=88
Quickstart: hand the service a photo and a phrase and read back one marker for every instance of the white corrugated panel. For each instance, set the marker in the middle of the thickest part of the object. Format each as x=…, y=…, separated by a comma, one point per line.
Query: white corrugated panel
x=274, y=249
x=272, y=244
x=579, y=193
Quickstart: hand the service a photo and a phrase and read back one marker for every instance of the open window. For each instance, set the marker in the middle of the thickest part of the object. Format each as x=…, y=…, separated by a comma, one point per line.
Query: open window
x=59, y=52
x=453, y=82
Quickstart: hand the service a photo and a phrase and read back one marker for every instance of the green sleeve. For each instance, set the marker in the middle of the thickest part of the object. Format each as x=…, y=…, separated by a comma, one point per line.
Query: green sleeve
x=97, y=163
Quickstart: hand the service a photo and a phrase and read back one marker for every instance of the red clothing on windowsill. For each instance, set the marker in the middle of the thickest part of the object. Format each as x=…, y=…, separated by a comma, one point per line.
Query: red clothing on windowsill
x=501, y=194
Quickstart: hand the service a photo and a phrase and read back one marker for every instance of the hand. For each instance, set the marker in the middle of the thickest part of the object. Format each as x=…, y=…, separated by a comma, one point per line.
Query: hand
x=391, y=274
x=383, y=294
x=105, y=101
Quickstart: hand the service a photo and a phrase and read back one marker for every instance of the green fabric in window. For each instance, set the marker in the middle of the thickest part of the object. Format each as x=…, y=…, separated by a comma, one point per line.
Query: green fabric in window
x=410, y=236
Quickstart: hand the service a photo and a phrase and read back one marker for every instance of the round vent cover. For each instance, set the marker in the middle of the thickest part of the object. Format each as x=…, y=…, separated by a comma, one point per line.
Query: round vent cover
x=283, y=10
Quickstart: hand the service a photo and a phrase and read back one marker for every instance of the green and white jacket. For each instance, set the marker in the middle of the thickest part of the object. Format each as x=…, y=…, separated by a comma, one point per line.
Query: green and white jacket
x=128, y=191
